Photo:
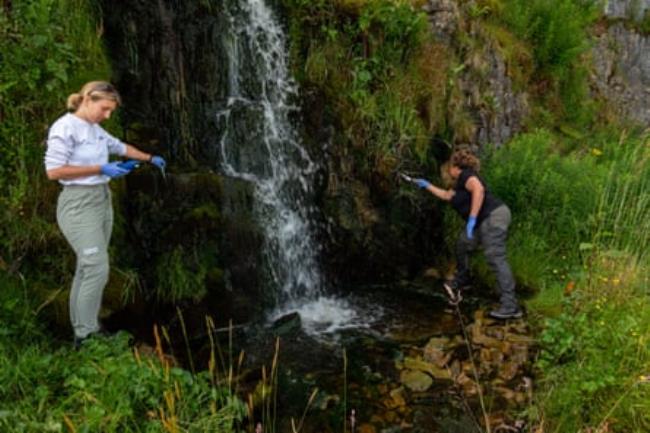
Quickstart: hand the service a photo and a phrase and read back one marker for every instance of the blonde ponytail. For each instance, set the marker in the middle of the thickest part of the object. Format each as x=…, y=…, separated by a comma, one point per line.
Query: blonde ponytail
x=74, y=101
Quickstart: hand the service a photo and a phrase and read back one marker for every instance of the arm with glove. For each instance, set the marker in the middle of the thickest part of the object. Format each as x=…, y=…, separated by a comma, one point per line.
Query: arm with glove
x=476, y=189
x=137, y=154
x=442, y=194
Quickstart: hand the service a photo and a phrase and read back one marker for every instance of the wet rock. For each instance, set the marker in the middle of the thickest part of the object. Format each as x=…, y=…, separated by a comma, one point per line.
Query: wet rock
x=328, y=401
x=468, y=386
x=426, y=367
x=512, y=397
x=508, y=370
x=478, y=336
x=435, y=352
x=367, y=428
x=396, y=399
x=622, y=71
x=444, y=17
x=416, y=380
x=286, y=325
x=626, y=9
x=432, y=273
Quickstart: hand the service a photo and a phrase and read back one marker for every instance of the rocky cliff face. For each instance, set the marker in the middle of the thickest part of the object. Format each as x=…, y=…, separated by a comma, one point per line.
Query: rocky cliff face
x=621, y=60
x=626, y=9
x=497, y=109
x=621, y=70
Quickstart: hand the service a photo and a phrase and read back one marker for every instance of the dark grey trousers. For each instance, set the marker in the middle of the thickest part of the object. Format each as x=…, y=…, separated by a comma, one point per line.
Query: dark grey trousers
x=85, y=216
x=491, y=235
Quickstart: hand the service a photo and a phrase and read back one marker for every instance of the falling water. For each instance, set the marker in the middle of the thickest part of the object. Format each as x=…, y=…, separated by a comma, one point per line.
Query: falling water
x=260, y=144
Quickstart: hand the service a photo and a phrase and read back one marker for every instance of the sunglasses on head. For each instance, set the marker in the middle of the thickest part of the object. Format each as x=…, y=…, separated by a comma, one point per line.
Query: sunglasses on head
x=105, y=87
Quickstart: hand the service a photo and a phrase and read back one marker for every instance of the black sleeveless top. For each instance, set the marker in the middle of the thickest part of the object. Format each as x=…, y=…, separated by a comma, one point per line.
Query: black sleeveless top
x=462, y=199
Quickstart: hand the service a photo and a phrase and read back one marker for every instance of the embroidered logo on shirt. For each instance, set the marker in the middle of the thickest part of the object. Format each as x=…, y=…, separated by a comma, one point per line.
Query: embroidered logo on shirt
x=90, y=251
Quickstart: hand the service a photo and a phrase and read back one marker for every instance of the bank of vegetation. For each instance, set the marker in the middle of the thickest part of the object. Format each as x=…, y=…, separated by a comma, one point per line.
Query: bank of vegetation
x=576, y=178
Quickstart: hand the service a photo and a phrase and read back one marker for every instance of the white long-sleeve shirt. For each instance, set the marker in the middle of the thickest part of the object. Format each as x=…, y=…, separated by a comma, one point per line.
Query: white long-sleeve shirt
x=74, y=141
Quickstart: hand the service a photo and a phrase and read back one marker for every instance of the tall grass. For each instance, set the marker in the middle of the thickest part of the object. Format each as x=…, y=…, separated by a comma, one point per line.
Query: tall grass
x=580, y=234
x=106, y=386
x=557, y=32
x=622, y=219
x=553, y=199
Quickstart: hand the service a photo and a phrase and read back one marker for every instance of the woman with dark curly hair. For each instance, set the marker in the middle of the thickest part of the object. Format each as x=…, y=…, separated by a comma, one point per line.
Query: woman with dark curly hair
x=487, y=219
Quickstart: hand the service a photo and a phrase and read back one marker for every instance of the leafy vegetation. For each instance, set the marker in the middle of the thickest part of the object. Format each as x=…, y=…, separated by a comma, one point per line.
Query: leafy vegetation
x=595, y=360
x=106, y=386
x=48, y=49
x=545, y=43
x=579, y=236
x=380, y=71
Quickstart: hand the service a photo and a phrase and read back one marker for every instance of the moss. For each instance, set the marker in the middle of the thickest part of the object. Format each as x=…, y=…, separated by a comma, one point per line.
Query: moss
x=179, y=276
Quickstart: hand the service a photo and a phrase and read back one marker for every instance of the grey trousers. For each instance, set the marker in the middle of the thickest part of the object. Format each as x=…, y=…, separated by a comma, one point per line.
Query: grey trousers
x=85, y=216
x=491, y=235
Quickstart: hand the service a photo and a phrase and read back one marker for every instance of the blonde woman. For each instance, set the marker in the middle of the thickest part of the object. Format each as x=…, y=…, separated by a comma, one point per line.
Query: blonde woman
x=487, y=221
x=77, y=156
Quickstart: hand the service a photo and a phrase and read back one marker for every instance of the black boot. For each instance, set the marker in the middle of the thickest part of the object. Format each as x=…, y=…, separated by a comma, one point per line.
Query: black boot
x=101, y=333
x=504, y=313
x=78, y=341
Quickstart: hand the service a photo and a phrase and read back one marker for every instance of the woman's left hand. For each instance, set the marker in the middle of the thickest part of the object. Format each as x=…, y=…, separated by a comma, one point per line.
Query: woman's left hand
x=158, y=161
x=471, y=223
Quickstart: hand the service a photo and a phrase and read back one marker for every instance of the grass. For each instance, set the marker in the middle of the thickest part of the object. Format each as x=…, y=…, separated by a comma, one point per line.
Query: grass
x=106, y=386
x=580, y=236
x=377, y=67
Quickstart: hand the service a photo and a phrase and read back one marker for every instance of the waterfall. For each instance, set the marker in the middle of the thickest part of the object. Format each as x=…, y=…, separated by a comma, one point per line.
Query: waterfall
x=260, y=144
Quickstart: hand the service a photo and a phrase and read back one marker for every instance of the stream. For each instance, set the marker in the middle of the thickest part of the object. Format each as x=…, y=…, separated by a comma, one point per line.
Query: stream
x=403, y=364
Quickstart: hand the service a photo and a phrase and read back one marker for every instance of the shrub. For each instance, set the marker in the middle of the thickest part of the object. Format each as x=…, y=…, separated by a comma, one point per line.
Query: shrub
x=372, y=61
x=105, y=386
x=552, y=197
x=557, y=32
x=48, y=48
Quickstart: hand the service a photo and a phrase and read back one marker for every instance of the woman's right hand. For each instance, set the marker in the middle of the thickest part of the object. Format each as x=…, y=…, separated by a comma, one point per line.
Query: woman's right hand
x=113, y=170
x=422, y=183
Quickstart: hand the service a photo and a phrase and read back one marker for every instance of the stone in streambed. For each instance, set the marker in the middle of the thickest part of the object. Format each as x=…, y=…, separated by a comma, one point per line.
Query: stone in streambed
x=416, y=380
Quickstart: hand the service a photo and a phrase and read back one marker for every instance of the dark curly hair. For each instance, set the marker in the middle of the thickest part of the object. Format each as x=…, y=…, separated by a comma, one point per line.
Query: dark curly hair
x=464, y=158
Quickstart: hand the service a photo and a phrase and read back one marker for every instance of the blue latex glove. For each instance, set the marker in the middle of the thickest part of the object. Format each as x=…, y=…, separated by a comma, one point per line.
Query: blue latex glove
x=113, y=170
x=422, y=183
x=471, y=223
x=158, y=161
x=130, y=164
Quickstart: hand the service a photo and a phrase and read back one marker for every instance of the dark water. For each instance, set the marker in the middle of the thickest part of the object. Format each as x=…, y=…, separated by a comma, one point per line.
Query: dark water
x=405, y=368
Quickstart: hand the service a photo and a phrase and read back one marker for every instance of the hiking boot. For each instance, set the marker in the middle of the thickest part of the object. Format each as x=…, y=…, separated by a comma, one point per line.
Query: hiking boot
x=78, y=341
x=102, y=333
x=504, y=313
